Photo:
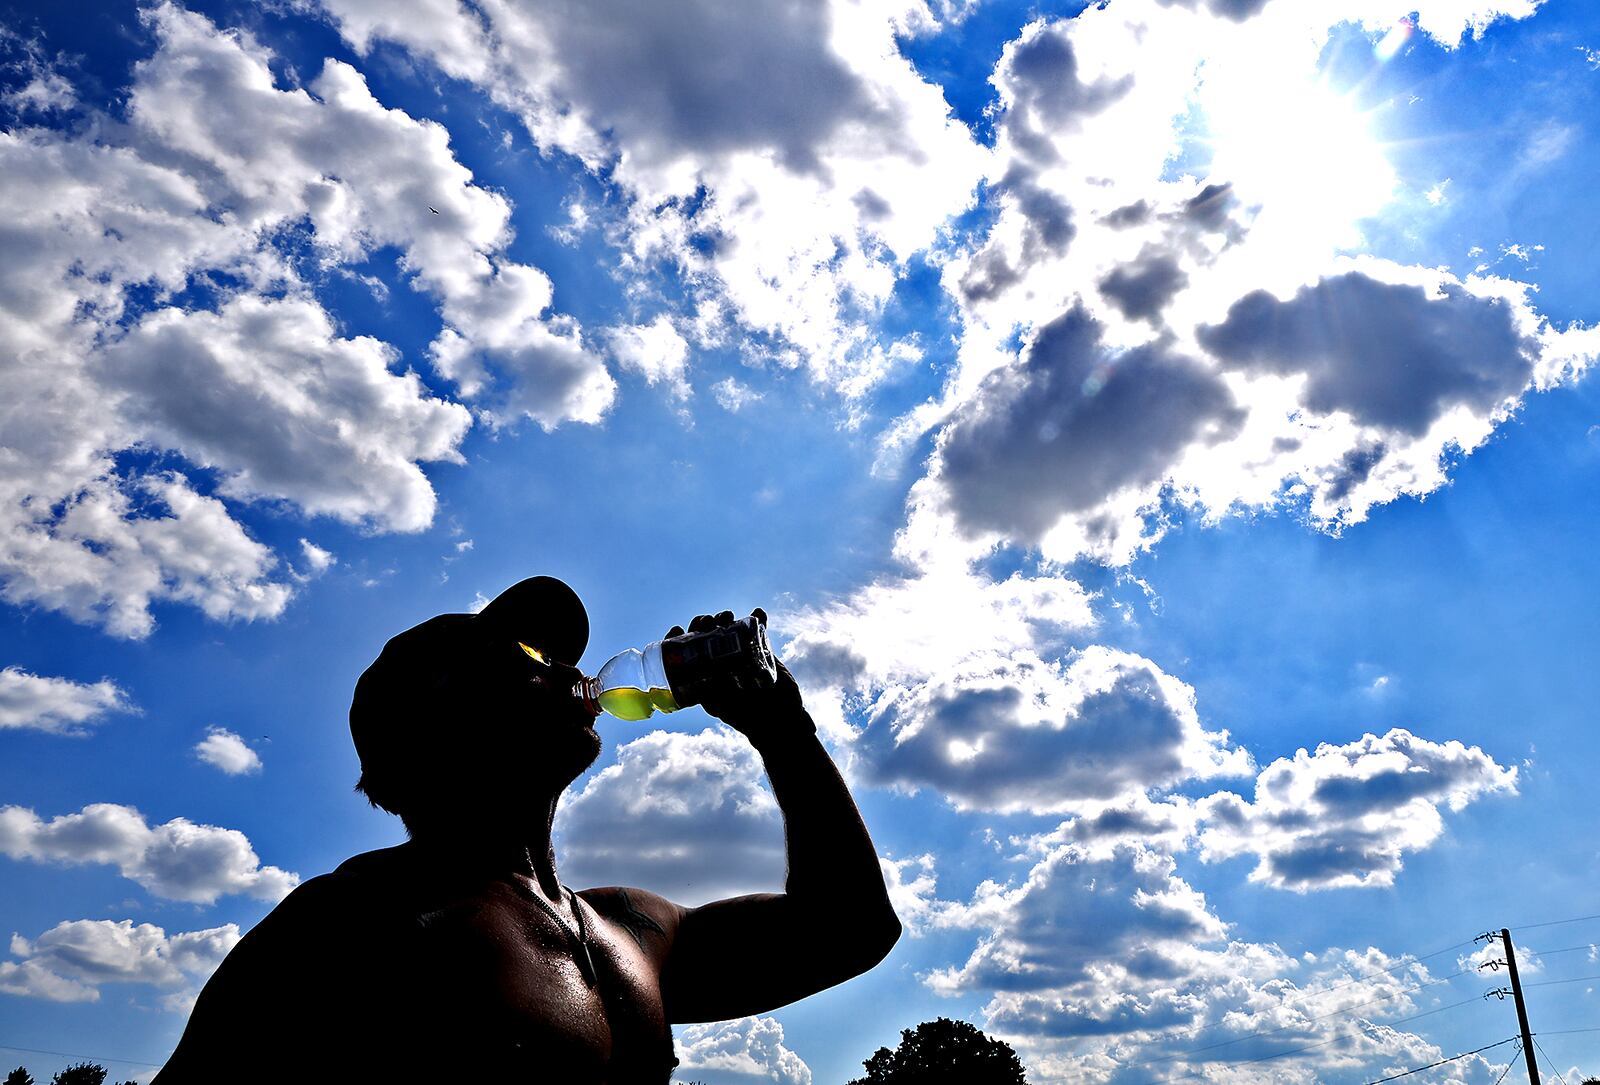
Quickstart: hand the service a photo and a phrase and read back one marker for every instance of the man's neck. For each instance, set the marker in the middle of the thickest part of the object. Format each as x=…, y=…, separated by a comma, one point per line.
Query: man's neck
x=522, y=850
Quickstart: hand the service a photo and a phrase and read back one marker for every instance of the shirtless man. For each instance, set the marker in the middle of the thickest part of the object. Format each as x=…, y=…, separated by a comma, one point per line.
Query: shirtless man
x=459, y=956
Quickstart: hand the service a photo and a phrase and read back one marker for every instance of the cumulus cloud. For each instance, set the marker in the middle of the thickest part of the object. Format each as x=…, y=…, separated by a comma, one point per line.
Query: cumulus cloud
x=743, y=1052
x=1075, y=426
x=58, y=706
x=72, y=960
x=216, y=186
x=1109, y=966
x=707, y=142
x=1388, y=354
x=178, y=860
x=1026, y=735
x=733, y=396
x=227, y=752
x=1347, y=815
x=1073, y=916
x=267, y=393
x=655, y=351
x=687, y=816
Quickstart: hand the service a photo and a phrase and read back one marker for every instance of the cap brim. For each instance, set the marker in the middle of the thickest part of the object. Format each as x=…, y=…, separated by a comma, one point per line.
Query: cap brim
x=541, y=612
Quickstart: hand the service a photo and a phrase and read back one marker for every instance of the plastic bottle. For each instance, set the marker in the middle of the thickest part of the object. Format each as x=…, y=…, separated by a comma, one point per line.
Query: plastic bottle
x=667, y=675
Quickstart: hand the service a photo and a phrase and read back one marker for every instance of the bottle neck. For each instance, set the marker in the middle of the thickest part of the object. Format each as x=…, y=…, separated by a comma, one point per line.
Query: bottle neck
x=587, y=690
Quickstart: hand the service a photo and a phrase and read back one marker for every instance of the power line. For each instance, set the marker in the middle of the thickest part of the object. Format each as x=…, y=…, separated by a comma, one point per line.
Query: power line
x=1551, y=1062
x=1556, y=922
x=1552, y=983
x=1441, y=1062
x=76, y=1055
x=1565, y=1031
x=1515, y=1055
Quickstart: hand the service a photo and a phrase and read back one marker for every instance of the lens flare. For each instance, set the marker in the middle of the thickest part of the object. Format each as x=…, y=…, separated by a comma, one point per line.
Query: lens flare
x=533, y=653
x=1390, y=44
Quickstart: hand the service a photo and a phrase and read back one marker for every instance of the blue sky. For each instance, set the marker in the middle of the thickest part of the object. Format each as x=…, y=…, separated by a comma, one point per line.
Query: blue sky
x=1159, y=432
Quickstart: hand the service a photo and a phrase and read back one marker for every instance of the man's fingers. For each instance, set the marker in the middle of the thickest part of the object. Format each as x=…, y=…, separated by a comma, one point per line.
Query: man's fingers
x=701, y=622
x=724, y=618
x=675, y=631
x=759, y=615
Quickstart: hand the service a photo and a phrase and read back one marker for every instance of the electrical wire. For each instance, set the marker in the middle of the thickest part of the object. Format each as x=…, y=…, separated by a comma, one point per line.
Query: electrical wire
x=1552, y=983
x=1441, y=1062
x=76, y=1055
x=1549, y=1061
x=1515, y=1055
x=1554, y=922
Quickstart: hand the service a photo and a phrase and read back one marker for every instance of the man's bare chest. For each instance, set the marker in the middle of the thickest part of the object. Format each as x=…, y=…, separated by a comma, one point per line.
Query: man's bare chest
x=513, y=980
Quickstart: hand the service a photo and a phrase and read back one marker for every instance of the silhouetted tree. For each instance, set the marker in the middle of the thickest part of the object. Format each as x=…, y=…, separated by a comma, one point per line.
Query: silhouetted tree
x=82, y=1073
x=19, y=1076
x=944, y=1052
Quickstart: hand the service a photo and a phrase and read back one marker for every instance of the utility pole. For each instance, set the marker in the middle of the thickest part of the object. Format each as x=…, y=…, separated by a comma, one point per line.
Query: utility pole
x=1522, y=1011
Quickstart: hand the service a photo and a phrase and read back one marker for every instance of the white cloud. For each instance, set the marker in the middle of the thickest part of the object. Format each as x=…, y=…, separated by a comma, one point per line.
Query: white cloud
x=747, y=1051
x=708, y=139
x=226, y=751
x=1018, y=734
x=265, y=391
x=912, y=885
x=733, y=396
x=57, y=705
x=178, y=860
x=217, y=172
x=317, y=560
x=70, y=961
x=655, y=351
x=1111, y=271
x=1347, y=815
x=687, y=816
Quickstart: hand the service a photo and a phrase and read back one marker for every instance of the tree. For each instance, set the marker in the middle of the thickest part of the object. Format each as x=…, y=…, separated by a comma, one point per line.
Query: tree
x=82, y=1073
x=944, y=1052
x=19, y=1076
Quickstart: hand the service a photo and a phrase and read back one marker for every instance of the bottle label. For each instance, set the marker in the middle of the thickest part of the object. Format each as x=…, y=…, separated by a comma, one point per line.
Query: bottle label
x=735, y=657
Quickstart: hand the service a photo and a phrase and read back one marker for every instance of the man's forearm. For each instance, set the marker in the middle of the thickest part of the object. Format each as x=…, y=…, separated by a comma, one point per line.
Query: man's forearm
x=832, y=861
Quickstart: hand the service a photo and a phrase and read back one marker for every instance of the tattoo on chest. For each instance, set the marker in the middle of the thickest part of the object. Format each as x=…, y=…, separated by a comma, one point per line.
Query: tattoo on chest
x=635, y=921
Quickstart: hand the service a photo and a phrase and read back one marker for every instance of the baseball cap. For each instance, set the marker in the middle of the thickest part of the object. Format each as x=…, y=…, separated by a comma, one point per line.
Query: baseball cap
x=449, y=657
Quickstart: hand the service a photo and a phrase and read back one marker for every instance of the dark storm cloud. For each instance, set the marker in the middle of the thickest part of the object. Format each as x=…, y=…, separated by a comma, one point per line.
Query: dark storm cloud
x=1141, y=288
x=1387, y=353
x=1074, y=424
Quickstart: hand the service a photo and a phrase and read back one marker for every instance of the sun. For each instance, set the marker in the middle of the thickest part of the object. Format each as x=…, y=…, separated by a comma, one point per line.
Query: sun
x=1302, y=153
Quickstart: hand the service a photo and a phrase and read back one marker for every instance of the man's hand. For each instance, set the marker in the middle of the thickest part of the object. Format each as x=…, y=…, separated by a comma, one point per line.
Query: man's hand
x=763, y=716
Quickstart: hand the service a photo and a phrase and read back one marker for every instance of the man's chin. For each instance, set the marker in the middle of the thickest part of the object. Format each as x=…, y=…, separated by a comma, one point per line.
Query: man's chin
x=577, y=753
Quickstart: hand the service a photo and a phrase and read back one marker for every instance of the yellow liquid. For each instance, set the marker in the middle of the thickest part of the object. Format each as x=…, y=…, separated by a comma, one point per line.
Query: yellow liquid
x=633, y=703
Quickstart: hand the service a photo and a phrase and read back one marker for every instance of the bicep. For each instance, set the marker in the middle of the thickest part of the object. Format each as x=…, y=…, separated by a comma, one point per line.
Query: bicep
x=747, y=955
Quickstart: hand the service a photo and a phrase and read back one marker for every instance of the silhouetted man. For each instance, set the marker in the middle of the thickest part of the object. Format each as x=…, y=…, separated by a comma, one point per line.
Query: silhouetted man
x=459, y=954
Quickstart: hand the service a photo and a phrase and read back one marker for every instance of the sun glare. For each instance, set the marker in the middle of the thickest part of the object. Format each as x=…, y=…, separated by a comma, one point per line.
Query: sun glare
x=1305, y=155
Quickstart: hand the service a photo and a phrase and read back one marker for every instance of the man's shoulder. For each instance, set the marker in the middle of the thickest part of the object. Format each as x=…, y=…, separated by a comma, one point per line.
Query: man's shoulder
x=637, y=910
x=350, y=887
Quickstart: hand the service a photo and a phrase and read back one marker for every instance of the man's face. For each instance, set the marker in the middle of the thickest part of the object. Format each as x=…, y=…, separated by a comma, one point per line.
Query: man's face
x=537, y=730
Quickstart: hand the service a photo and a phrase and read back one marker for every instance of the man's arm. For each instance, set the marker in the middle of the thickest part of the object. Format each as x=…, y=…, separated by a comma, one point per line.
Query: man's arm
x=746, y=955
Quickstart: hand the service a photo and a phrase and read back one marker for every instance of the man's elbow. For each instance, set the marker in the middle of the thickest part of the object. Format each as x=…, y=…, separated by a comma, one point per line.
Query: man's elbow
x=874, y=941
